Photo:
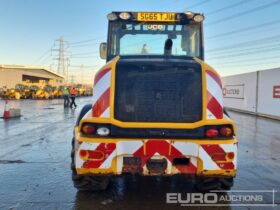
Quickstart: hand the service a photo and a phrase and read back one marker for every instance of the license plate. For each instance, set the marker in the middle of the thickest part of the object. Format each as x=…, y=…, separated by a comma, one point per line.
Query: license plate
x=156, y=16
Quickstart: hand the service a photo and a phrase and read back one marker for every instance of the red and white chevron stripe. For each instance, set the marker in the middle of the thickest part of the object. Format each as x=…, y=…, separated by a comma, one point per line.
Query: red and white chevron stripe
x=206, y=152
x=155, y=148
x=214, y=96
x=101, y=94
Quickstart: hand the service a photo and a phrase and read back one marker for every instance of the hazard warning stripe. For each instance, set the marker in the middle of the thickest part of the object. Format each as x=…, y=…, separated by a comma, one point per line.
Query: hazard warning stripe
x=101, y=94
x=214, y=96
x=162, y=147
x=191, y=168
x=103, y=147
x=102, y=104
x=100, y=75
x=212, y=149
x=215, y=77
x=214, y=88
x=152, y=148
x=214, y=106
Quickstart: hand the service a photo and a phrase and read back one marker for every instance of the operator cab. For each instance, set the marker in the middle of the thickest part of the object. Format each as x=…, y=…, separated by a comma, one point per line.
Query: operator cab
x=149, y=34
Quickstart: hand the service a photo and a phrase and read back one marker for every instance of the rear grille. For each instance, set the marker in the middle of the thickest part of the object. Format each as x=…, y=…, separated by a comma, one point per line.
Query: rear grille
x=158, y=92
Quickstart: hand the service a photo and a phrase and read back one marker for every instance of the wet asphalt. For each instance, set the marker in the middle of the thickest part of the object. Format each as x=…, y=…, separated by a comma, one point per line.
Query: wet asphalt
x=35, y=164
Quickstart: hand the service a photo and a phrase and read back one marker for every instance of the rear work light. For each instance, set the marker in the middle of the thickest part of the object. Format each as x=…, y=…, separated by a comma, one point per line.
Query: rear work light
x=88, y=129
x=103, y=131
x=96, y=129
x=212, y=133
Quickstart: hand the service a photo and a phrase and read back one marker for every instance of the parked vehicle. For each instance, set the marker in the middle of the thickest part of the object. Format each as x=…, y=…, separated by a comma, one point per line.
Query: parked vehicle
x=157, y=107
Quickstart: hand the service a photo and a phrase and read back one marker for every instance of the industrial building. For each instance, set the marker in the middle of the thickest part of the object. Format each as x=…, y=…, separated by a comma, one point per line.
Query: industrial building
x=255, y=92
x=10, y=75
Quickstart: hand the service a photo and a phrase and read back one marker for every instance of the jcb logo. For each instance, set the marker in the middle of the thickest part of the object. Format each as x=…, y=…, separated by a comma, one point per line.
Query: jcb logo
x=155, y=27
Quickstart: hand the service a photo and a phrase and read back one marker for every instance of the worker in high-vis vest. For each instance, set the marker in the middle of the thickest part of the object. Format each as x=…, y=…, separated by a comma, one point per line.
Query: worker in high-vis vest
x=73, y=94
x=66, y=97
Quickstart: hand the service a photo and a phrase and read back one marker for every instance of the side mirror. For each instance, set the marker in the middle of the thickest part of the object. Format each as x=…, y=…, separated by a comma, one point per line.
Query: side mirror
x=103, y=50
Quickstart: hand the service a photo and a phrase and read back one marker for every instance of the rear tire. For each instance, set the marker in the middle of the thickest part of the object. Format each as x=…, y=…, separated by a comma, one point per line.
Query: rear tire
x=205, y=185
x=87, y=182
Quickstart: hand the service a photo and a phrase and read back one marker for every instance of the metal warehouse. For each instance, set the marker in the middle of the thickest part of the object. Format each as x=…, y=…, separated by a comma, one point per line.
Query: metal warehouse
x=255, y=92
x=10, y=75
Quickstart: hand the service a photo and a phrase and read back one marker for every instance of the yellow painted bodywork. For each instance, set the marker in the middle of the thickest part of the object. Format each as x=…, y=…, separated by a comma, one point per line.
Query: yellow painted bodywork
x=112, y=120
x=113, y=168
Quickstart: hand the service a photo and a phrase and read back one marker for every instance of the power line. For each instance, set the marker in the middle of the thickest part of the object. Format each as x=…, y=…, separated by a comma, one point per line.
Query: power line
x=248, y=43
x=237, y=15
x=198, y=4
x=244, y=29
x=246, y=53
x=246, y=60
x=85, y=66
x=236, y=4
x=44, y=60
x=86, y=53
x=255, y=64
x=240, y=45
x=42, y=56
x=86, y=41
x=76, y=57
x=82, y=43
x=249, y=49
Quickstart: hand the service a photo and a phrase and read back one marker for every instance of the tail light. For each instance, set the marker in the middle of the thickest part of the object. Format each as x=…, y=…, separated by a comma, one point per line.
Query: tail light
x=88, y=129
x=225, y=131
x=96, y=130
x=220, y=131
x=212, y=133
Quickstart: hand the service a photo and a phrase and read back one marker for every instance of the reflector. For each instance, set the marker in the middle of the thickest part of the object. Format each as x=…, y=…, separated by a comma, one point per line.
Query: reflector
x=230, y=155
x=83, y=153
